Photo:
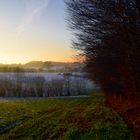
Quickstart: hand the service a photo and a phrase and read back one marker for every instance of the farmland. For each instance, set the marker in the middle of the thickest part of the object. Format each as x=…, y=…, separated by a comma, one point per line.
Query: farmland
x=85, y=118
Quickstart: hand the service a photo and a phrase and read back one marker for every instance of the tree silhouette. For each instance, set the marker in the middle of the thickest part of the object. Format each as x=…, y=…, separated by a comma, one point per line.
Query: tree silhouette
x=108, y=35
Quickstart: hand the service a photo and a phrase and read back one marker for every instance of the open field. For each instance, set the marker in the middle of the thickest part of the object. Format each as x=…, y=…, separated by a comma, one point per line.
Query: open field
x=61, y=119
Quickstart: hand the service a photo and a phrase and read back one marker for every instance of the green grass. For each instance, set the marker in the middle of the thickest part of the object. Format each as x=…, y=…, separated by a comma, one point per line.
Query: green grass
x=61, y=119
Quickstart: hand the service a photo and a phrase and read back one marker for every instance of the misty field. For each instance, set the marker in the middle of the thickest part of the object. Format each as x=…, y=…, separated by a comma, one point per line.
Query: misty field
x=23, y=84
x=61, y=119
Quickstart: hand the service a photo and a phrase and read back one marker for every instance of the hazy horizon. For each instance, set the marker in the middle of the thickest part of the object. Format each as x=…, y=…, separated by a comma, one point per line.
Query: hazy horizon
x=38, y=61
x=34, y=30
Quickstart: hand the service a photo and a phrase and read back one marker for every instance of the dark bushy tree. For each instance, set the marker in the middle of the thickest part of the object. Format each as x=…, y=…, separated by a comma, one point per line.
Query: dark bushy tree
x=108, y=36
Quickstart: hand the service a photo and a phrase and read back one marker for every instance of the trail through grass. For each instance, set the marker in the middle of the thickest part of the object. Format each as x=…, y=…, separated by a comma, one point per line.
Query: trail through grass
x=61, y=119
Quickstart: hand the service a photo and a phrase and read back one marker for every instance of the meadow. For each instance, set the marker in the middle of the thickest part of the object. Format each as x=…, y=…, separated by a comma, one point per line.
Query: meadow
x=85, y=118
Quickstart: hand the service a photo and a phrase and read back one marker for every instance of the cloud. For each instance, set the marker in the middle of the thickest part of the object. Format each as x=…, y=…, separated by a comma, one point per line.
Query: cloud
x=34, y=8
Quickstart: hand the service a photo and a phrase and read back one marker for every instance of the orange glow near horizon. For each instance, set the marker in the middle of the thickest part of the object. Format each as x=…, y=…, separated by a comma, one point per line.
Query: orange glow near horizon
x=34, y=31
x=20, y=49
x=34, y=50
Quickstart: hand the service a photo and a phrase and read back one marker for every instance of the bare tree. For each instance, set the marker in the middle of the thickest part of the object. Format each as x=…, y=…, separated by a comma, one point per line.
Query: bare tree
x=108, y=35
x=18, y=72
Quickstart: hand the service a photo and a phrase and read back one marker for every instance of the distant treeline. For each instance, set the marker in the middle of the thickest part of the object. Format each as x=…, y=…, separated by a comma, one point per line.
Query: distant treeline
x=39, y=66
x=18, y=69
x=31, y=66
x=11, y=69
x=21, y=85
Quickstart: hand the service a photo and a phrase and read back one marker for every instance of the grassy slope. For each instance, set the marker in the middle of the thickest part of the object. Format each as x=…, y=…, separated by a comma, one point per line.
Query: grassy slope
x=61, y=119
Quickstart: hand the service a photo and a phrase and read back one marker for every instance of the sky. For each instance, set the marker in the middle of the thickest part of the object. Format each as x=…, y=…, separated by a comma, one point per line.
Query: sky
x=34, y=30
